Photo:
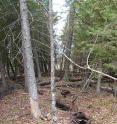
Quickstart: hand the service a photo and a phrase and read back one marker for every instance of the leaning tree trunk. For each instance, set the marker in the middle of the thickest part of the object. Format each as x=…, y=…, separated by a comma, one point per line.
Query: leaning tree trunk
x=28, y=60
x=53, y=89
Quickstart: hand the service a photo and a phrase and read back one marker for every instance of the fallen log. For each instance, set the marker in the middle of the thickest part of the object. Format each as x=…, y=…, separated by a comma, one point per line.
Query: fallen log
x=72, y=85
x=44, y=83
x=62, y=106
x=80, y=118
x=75, y=79
x=109, y=90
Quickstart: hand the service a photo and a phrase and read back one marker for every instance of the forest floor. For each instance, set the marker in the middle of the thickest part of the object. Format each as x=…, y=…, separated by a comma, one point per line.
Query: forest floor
x=101, y=109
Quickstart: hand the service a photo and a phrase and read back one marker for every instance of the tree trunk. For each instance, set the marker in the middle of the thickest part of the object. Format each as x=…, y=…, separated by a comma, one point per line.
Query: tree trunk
x=69, y=38
x=12, y=69
x=2, y=69
x=28, y=60
x=45, y=66
x=99, y=78
x=53, y=87
x=37, y=64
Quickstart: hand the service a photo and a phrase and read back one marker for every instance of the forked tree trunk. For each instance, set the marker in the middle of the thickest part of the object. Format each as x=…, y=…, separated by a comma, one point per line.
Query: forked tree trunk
x=53, y=87
x=28, y=60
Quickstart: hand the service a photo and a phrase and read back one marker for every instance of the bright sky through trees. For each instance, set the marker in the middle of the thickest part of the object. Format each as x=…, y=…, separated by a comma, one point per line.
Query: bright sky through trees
x=61, y=9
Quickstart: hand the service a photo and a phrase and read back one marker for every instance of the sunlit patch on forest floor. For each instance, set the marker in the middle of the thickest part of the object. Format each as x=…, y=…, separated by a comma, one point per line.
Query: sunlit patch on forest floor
x=101, y=109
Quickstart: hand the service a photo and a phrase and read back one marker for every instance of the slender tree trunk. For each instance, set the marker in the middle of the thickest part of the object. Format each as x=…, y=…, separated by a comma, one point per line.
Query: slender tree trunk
x=16, y=70
x=53, y=87
x=28, y=60
x=45, y=66
x=37, y=64
x=98, y=84
x=2, y=69
x=41, y=65
x=62, y=61
x=61, y=68
x=69, y=38
x=12, y=69
x=49, y=65
x=99, y=78
x=8, y=73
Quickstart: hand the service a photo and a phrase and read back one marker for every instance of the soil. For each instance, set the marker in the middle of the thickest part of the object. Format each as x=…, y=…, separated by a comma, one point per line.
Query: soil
x=100, y=109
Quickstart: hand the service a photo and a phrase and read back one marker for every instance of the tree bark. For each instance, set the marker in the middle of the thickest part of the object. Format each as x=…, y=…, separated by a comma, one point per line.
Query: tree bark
x=12, y=69
x=37, y=64
x=53, y=87
x=99, y=78
x=28, y=60
x=69, y=38
x=2, y=69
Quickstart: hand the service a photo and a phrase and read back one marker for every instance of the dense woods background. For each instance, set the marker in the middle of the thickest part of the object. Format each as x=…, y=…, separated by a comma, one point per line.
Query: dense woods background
x=72, y=79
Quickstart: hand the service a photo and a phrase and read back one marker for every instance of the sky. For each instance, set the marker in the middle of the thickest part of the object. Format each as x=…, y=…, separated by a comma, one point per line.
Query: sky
x=61, y=9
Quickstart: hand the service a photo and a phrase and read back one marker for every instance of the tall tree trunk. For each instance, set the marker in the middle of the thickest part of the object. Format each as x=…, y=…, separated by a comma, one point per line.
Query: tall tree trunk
x=2, y=70
x=62, y=61
x=45, y=66
x=37, y=64
x=28, y=60
x=69, y=38
x=49, y=65
x=12, y=69
x=99, y=78
x=53, y=87
x=8, y=73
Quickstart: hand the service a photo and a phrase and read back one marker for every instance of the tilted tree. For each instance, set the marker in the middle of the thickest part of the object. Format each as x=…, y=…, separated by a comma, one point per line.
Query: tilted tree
x=28, y=59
